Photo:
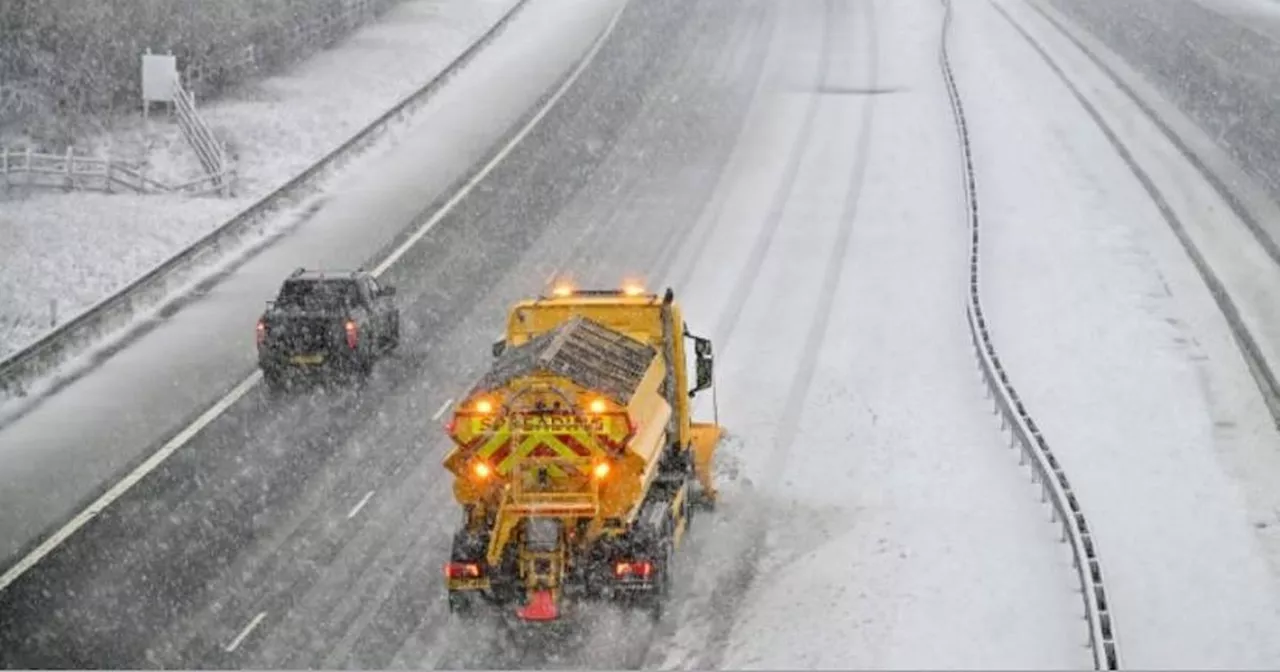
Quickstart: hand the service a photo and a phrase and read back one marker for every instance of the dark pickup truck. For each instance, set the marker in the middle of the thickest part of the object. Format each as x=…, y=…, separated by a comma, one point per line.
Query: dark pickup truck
x=326, y=322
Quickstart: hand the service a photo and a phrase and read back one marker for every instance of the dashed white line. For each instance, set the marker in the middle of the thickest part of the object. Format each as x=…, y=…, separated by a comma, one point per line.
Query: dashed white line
x=506, y=150
x=235, y=643
x=440, y=413
x=360, y=505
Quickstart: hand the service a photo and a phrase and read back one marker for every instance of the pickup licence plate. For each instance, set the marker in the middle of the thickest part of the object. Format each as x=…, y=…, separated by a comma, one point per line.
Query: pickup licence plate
x=307, y=359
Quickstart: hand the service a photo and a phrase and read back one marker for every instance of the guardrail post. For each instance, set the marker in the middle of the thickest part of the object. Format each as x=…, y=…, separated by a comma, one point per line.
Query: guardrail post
x=70, y=182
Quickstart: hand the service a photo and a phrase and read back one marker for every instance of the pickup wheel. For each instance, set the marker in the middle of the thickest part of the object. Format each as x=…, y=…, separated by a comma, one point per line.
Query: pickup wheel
x=364, y=367
x=274, y=382
x=393, y=338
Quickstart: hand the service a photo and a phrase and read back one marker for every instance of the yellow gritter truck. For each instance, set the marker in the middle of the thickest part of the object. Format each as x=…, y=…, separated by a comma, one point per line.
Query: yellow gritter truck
x=576, y=461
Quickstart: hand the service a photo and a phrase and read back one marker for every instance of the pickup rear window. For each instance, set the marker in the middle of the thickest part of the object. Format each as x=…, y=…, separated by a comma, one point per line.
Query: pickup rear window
x=319, y=294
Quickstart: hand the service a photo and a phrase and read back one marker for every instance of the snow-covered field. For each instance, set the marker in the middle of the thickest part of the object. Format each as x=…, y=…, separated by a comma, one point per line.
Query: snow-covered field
x=1126, y=363
x=78, y=248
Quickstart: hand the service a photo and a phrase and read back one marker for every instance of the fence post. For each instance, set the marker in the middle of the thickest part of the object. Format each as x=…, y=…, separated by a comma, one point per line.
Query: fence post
x=4, y=160
x=108, y=185
x=70, y=174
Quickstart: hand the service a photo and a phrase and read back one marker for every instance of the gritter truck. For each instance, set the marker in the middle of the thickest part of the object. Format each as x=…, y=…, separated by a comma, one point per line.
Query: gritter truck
x=576, y=462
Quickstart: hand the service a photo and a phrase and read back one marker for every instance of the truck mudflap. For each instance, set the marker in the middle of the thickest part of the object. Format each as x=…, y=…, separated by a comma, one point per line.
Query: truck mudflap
x=543, y=606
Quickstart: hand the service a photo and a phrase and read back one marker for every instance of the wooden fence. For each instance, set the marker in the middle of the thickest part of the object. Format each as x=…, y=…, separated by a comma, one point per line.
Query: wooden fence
x=70, y=172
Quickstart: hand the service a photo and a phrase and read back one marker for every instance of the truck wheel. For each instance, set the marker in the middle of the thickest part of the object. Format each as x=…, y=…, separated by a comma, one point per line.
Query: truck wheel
x=657, y=600
x=461, y=605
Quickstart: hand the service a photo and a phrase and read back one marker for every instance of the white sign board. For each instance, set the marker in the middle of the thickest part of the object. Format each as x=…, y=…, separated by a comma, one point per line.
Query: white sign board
x=159, y=73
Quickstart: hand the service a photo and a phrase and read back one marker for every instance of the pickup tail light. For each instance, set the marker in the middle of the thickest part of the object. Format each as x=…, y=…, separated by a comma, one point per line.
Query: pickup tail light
x=353, y=333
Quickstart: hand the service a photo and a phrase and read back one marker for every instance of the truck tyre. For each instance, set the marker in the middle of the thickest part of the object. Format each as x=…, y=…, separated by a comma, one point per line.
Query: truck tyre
x=656, y=602
x=462, y=605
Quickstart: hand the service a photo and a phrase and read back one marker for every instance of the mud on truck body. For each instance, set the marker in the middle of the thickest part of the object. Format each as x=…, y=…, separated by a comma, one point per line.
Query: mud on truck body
x=576, y=461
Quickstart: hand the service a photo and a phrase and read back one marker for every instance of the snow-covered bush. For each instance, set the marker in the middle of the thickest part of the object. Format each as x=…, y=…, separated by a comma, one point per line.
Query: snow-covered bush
x=65, y=64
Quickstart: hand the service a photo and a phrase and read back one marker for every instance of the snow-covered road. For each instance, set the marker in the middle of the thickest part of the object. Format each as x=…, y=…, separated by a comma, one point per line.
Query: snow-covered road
x=791, y=170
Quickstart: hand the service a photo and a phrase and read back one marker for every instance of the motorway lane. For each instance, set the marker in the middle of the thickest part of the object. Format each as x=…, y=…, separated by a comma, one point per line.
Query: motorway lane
x=65, y=451
x=1214, y=59
x=252, y=516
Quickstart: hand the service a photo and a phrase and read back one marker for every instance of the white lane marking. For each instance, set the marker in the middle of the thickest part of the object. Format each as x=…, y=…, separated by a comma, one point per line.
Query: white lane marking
x=510, y=147
x=129, y=481
x=240, y=390
x=235, y=643
x=440, y=413
x=360, y=505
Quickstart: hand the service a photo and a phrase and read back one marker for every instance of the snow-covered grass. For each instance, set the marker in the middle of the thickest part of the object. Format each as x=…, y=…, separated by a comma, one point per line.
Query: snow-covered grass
x=79, y=248
x=1124, y=360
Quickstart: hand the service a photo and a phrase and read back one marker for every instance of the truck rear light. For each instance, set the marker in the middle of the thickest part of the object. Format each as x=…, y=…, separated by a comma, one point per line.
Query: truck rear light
x=462, y=570
x=261, y=331
x=353, y=333
x=628, y=570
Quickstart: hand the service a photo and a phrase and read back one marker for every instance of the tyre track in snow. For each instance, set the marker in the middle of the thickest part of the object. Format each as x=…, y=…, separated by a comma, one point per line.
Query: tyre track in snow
x=728, y=595
x=751, y=270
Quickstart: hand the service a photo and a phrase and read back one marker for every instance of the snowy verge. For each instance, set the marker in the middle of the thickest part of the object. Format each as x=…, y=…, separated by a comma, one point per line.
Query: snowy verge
x=76, y=249
x=1120, y=351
